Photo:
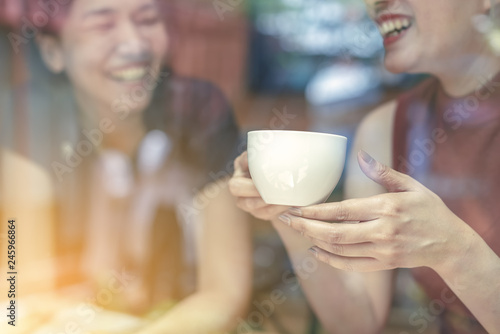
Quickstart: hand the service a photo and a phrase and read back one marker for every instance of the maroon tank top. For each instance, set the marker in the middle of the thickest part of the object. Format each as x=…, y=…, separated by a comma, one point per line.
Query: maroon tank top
x=452, y=146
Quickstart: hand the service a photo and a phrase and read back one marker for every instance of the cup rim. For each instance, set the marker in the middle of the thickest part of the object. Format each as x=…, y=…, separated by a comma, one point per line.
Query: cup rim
x=295, y=131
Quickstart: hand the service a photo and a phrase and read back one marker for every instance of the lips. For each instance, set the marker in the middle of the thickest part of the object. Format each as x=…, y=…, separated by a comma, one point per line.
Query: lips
x=393, y=27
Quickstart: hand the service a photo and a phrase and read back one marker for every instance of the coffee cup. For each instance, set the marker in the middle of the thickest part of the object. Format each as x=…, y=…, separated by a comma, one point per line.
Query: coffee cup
x=295, y=168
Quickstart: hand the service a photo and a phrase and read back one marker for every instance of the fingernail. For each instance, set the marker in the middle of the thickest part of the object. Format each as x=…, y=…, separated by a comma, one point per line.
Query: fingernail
x=296, y=212
x=313, y=251
x=366, y=157
x=285, y=219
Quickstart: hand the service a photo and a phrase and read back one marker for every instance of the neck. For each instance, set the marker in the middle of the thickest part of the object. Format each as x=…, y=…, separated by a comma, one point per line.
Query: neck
x=122, y=135
x=470, y=76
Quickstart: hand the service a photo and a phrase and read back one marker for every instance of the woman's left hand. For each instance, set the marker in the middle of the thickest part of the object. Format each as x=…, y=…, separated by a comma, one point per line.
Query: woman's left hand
x=407, y=227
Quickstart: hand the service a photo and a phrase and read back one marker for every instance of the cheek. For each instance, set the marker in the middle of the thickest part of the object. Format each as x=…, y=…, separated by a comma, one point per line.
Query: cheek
x=85, y=56
x=85, y=67
x=448, y=26
x=86, y=71
x=403, y=61
x=160, y=42
x=448, y=41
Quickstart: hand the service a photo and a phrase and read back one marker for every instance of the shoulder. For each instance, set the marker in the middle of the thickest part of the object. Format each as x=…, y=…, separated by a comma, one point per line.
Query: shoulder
x=374, y=134
x=380, y=119
x=376, y=128
x=24, y=174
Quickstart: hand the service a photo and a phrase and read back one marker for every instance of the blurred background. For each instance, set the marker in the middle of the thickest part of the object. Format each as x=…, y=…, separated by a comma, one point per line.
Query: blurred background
x=312, y=65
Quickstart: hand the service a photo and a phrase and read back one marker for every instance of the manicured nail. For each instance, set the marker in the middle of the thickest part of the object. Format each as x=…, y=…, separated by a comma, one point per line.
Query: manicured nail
x=366, y=157
x=285, y=219
x=313, y=251
x=296, y=212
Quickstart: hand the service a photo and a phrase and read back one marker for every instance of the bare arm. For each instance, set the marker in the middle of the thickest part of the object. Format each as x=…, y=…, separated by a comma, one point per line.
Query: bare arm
x=335, y=295
x=27, y=196
x=224, y=272
x=350, y=293
x=407, y=227
x=475, y=277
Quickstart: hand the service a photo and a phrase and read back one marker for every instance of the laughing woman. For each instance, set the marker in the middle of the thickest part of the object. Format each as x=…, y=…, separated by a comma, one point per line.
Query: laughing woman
x=428, y=199
x=132, y=151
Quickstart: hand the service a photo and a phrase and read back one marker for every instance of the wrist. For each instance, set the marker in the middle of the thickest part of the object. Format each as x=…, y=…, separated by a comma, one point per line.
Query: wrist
x=461, y=253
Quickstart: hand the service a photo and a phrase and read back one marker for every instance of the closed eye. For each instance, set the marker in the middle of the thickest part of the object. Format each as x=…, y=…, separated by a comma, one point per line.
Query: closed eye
x=101, y=19
x=149, y=20
x=147, y=15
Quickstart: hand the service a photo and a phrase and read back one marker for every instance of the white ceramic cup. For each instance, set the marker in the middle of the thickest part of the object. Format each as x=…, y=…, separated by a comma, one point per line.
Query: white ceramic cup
x=295, y=168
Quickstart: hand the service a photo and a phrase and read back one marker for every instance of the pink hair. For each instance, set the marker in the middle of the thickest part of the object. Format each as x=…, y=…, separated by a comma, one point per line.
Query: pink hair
x=48, y=15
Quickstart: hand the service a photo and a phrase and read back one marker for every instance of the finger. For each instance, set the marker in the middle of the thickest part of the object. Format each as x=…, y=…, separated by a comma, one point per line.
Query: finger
x=365, y=249
x=259, y=208
x=351, y=264
x=243, y=187
x=359, y=209
x=270, y=212
x=241, y=165
x=250, y=203
x=330, y=233
x=387, y=177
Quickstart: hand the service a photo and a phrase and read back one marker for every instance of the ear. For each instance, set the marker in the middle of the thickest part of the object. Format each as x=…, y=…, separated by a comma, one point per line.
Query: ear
x=51, y=51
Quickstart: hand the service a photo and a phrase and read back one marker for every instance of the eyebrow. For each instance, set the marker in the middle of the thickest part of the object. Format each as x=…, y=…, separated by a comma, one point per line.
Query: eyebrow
x=99, y=12
x=109, y=11
x=151, y=5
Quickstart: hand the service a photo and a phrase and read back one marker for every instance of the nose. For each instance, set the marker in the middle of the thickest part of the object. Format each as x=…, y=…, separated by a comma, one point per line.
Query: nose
x=131, y=43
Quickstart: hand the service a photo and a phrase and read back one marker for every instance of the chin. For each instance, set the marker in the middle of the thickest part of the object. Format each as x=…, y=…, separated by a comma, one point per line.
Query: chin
x=399, y=65
x=403, y=59
x=131, y=106
x=134, y=96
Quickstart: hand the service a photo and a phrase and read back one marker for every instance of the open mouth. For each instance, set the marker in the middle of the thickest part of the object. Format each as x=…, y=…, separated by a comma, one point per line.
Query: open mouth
x=130, y=74
x=394, y=27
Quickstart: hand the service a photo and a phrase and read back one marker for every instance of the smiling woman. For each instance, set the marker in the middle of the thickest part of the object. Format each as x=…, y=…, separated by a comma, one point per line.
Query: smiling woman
x=130, y=148
x=132, y=42
x=410, y=206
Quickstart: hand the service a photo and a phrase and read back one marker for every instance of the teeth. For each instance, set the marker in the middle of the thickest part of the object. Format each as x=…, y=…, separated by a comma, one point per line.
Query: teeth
x=385, y=28
x=392, y=27
x=398, y=24
x=131, y=74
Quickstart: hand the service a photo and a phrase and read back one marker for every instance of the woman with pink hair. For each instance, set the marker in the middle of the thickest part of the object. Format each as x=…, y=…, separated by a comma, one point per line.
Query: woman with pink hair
x=139, y=159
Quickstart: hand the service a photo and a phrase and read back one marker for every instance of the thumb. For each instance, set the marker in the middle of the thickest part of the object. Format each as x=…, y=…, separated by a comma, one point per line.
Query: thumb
x=387, y=177
x=241, y=166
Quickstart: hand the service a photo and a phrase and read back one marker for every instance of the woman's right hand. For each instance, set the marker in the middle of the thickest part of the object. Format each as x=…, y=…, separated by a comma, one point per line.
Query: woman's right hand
x=248, y=198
